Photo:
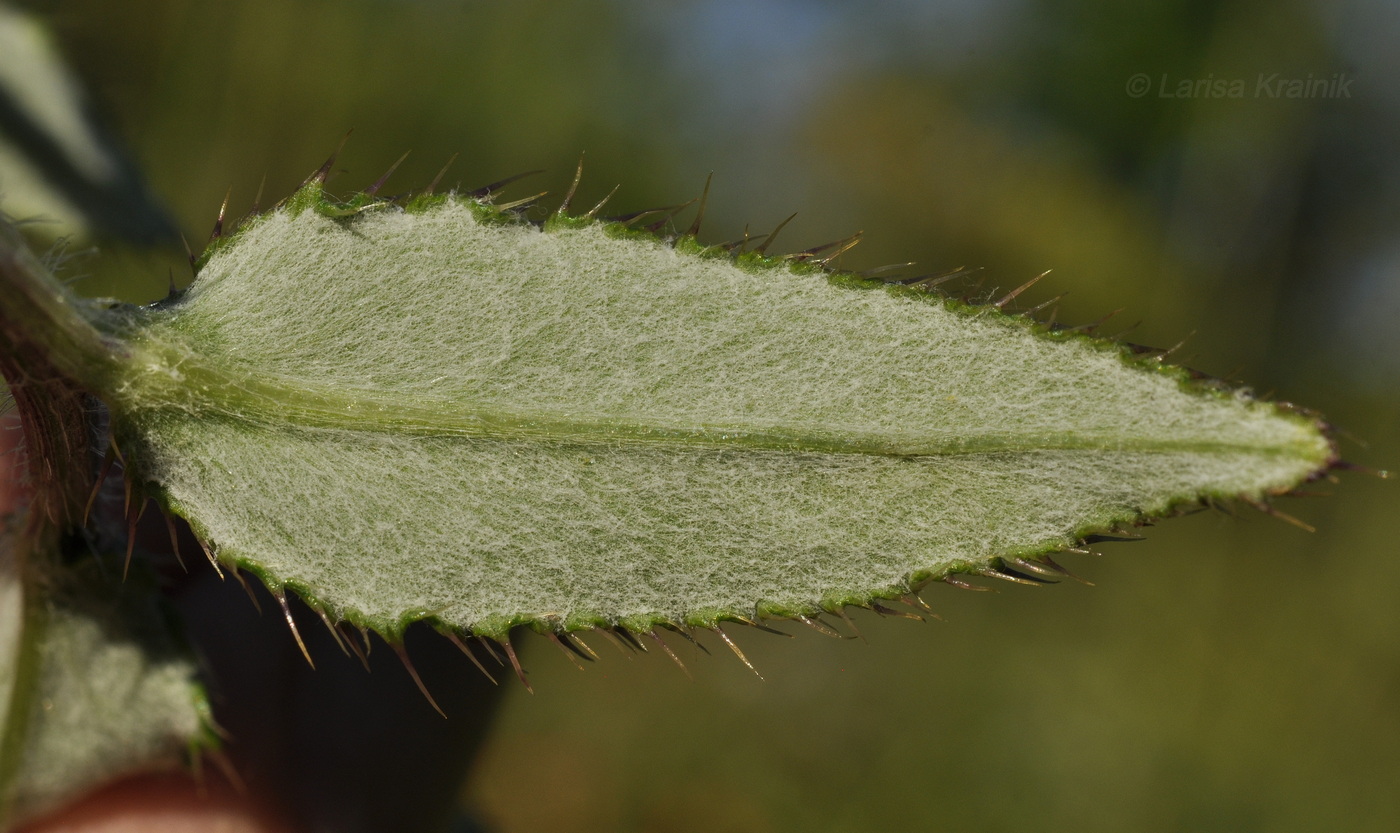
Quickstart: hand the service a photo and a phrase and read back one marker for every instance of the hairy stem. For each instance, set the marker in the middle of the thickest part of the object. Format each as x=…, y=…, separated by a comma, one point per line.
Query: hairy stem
x=40, y=318
x=24, y=620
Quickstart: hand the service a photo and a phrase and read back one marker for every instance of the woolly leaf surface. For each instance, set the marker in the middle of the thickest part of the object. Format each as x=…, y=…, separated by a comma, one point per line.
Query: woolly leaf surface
x=95, y=686
x=438, y=414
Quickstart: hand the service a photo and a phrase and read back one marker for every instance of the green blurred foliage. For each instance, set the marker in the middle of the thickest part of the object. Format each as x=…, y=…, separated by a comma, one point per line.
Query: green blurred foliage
x=1228, y=674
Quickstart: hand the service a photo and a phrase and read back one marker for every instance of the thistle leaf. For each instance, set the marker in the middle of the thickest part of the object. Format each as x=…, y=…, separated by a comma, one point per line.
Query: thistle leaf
x=93, y=686
x=445, y=413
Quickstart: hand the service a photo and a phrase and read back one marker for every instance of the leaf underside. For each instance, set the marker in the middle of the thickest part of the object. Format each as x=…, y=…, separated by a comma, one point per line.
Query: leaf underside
x=442, y=413
x=113, y=692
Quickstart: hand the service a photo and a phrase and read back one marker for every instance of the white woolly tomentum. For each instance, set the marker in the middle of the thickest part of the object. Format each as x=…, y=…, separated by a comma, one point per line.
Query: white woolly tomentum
x=441, y=413
x=112, y=691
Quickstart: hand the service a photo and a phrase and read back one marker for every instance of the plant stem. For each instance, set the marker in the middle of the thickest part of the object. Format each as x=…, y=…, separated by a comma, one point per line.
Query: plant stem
x=47, y=350
x=16, y=566
x=49, y=354
x=42, y=328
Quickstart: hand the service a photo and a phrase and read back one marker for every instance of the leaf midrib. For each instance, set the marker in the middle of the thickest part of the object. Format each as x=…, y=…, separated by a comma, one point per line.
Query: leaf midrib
x=192, y=385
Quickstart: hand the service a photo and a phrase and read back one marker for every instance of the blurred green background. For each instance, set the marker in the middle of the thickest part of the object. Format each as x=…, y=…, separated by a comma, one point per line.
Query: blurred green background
x=1232, y=674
